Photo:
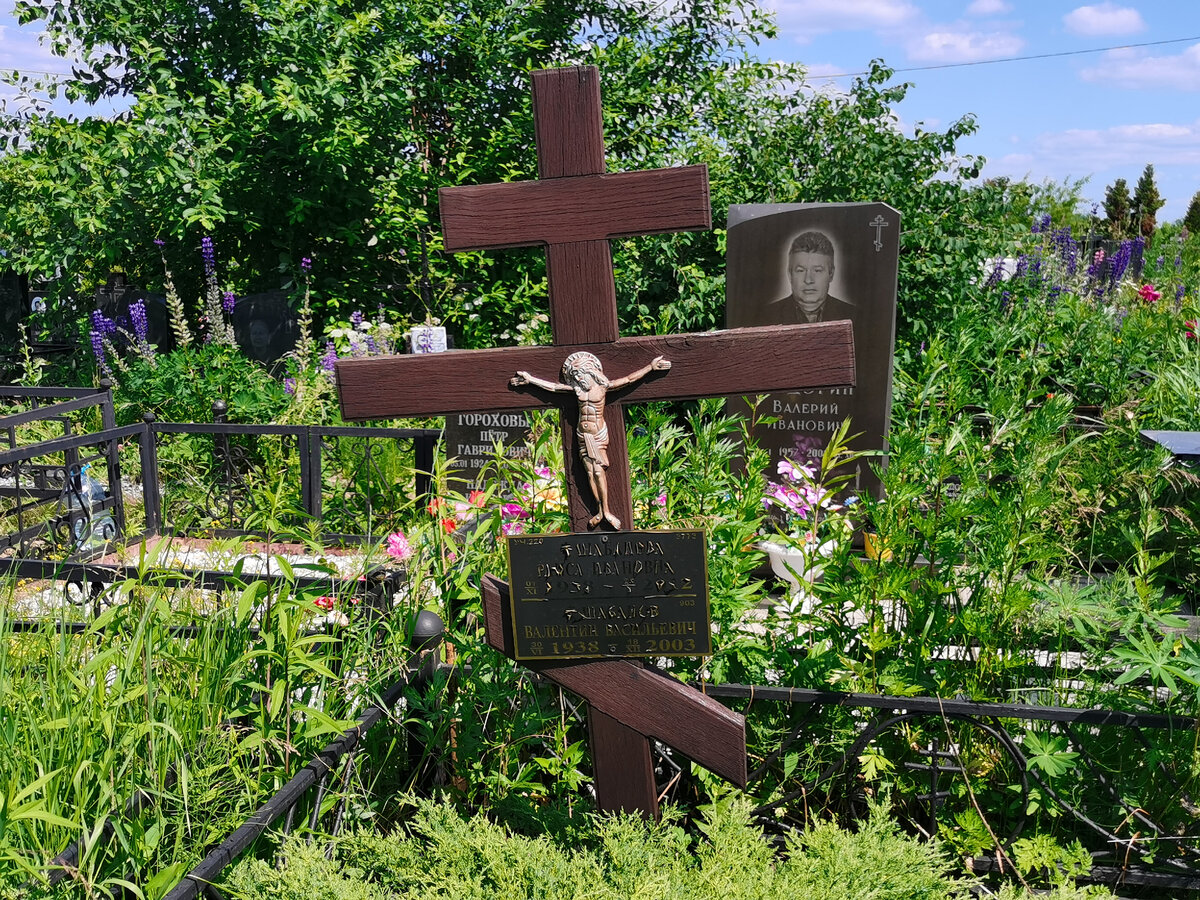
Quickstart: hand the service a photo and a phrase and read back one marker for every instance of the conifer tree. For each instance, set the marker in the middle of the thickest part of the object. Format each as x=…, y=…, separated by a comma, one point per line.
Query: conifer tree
x=1146, y=204
x=1191, y=220
x=1116, y=208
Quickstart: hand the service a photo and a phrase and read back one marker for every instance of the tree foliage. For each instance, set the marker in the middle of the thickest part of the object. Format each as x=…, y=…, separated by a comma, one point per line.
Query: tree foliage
x=1116, y=208
x=1191, y=219
x=1146, y=204
x=292, y=128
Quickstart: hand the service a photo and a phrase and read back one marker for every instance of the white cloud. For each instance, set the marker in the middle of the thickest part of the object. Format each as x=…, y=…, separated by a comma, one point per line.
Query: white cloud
x=1104, y=19
x=953, y=45
x=805, y=18
x=988, y=8
x=1132, y=69
x=1130, y=146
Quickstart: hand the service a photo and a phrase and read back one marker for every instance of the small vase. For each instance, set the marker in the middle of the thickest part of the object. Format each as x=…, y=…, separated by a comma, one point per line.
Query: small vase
x=797, y=566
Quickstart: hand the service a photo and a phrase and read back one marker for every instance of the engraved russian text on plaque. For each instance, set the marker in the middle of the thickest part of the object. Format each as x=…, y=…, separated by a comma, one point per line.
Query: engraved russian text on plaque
x=626, y=593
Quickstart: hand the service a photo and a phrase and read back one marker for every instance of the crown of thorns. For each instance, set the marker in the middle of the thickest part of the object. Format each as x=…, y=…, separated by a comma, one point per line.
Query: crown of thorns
x=580, y=362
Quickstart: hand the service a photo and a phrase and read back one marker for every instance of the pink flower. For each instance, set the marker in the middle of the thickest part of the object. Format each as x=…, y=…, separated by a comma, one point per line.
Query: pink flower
x=512, y=528
x=476, y=498
x=398, y=546
x=514, y=511
x=1149, y=294
x=542, y=472
x=449, y=525
x=1191, y=328
x=325, y=603
x=661, y=499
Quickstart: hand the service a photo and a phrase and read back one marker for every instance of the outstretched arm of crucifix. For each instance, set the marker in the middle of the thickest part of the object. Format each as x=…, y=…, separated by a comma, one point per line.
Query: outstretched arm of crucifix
x=658, y=364
x=523, y=378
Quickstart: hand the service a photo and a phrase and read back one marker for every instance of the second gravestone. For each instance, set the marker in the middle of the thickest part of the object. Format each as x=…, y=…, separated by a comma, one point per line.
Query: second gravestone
x=820, y=262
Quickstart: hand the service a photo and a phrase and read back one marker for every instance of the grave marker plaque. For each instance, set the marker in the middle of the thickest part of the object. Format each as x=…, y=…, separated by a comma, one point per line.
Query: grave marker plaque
x=629, y=593
x=470, y=438
x=820, y=262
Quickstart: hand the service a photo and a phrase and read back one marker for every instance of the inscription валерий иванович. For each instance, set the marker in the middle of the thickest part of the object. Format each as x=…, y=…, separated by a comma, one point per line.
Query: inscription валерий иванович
x=625, y=593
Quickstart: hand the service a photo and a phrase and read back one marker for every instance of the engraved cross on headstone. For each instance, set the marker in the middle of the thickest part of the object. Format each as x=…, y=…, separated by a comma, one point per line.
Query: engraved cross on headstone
x=878, y=223
x=573, y=210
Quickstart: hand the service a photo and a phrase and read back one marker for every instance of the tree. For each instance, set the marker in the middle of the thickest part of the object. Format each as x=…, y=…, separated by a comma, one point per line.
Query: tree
x=1146, y=204
x=292, y=128
x=1191, y=219
x=1116, y=208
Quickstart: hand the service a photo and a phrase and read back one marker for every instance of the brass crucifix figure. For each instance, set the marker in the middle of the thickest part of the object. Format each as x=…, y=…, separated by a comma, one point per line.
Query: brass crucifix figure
x=583, y=374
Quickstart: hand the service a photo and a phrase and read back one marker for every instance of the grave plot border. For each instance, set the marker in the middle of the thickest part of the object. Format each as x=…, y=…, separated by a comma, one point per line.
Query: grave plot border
x=89, y=567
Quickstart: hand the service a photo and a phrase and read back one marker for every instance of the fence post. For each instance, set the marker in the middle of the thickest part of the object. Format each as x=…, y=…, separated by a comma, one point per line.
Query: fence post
x=108, y=419
x=423, y=463
x=151, y=499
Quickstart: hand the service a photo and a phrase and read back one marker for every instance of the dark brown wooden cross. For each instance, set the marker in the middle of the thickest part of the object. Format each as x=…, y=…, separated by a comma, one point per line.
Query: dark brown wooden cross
x=573, y=210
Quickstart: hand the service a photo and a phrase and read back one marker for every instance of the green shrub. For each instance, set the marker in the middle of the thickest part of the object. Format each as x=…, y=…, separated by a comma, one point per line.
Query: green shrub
x=442, y=854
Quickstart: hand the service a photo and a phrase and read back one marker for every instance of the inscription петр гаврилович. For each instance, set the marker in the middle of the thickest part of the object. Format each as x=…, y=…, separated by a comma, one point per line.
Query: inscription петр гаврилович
x=630, y=593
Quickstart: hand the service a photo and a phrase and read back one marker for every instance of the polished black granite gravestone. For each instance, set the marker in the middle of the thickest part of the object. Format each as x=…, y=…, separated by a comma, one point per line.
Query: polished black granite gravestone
x=795, y=263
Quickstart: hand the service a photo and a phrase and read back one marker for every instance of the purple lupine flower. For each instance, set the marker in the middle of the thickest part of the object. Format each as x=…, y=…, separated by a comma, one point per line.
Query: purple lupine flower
x=227, y=301
x=1004, y=301
x=372, y=347
x=1178, y=261
x=1022, y=266
x=357, y=347
x=329, y=360
x=210, y=256
x=1052, y=296
x=98, y=346
x=1120, y=319
x=137, y=314
x=159, y=242
x=289, y=386
x=305, y=264
x=1041, y=224
x=356, y=318
x=996, y=274
x=1180, y=290
x=1159, y=262
x=1120, y=263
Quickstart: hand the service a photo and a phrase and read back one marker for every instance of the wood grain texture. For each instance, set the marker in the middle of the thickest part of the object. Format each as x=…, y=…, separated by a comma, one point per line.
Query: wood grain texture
x=568, y=122
x=713, y=364
x=575, y=208
x=621, y=767
x=584, y=306
x=651, y=703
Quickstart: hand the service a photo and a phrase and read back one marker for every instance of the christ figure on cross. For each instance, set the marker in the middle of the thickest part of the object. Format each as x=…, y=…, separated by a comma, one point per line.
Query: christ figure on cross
x=583, y=374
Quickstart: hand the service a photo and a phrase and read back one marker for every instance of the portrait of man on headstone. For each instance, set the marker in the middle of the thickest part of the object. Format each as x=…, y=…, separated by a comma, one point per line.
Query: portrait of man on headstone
x=790, y=264
x=810, y=264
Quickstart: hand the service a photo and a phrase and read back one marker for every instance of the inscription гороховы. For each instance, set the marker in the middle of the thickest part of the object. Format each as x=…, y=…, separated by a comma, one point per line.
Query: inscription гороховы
x=614, y=594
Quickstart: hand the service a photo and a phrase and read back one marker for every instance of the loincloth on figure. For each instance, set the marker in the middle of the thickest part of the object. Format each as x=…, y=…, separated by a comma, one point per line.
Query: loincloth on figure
x=594, y=447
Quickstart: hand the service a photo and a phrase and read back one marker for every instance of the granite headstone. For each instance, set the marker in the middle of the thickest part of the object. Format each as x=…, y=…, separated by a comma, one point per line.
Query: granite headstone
x=470, y=438
x=265, y=326
x=794, y=263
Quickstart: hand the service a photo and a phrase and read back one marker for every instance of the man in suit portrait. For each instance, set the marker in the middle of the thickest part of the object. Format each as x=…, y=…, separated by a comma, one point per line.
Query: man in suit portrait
x=810, y=268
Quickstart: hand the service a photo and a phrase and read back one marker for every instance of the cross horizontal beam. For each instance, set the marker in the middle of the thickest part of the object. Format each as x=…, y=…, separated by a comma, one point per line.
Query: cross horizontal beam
x=575, y=208
x=712, y=364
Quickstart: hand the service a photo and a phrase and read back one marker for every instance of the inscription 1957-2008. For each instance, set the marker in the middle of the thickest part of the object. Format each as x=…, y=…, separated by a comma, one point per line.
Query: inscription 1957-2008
x=625, y=593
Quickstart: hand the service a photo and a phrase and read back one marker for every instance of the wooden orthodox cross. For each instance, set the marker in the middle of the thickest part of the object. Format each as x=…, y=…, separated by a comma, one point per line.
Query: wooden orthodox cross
x=573, y=210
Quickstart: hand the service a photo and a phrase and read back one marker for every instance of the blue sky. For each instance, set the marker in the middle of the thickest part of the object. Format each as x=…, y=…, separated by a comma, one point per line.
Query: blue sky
x=1103, y=115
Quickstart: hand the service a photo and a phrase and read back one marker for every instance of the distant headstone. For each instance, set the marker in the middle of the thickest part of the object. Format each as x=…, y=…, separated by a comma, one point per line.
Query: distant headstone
x=116, y=295
x=13, y=305
x=820, y=262
x=428, y=339
x=471, y=438
x=265, y=326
